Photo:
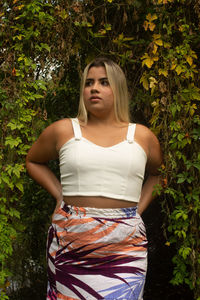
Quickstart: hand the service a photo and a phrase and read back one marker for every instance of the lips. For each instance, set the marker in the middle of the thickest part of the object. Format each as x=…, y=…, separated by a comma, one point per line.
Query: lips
x=94, y=97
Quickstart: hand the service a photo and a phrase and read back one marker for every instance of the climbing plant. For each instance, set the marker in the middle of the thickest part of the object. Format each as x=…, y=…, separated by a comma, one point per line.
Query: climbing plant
x=22, y=92
x=171, y=72
x=44, y=47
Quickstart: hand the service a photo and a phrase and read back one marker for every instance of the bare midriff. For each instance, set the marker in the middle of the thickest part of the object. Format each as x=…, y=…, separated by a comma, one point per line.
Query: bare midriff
x=98, y=202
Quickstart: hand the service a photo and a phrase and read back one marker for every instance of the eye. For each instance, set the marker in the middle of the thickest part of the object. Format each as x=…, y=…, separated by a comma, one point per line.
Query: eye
x=88, y=83
x=105, y=82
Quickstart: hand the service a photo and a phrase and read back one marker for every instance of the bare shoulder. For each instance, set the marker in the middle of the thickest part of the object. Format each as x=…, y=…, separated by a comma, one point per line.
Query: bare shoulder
x=46, y=146
x=56, y=130
x=61, y=126
x=146, y=134
x=58, y=125
x=145, y=131
x=151, y=144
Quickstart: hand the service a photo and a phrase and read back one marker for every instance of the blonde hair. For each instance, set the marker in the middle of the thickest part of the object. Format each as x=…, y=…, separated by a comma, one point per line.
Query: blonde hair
x=117, y=81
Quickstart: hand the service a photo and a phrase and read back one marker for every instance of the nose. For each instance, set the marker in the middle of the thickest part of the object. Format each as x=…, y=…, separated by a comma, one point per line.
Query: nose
x=94, y=91
x=95, y=88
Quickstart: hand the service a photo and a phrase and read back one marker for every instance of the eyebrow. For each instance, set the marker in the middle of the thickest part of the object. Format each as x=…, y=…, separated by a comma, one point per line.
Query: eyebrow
x=103, y=78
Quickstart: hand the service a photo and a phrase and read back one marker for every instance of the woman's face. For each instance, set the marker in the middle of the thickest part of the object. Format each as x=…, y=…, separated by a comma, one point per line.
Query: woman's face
x=97, y=94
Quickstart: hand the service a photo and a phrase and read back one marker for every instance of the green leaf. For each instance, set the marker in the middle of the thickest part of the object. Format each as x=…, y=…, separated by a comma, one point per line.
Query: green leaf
x=181, y=180
x=20, y=187
x=12, y=142
x=14, y=124
x=41, y=84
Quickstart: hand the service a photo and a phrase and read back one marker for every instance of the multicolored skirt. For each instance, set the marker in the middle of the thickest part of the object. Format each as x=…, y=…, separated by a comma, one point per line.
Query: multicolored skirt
x=95, y=253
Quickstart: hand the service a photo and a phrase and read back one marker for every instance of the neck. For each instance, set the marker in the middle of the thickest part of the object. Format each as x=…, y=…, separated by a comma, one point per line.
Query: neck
x=111, y=120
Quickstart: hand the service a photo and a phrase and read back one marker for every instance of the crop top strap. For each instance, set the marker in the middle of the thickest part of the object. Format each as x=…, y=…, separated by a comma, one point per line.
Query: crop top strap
x=76, y=128
x=131, y=132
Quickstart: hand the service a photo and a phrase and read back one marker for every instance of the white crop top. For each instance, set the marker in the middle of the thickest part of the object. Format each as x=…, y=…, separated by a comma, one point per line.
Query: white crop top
x=90, y=170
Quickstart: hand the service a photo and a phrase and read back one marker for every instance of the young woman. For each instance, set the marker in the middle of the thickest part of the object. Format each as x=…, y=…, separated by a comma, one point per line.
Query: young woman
x=97, y=246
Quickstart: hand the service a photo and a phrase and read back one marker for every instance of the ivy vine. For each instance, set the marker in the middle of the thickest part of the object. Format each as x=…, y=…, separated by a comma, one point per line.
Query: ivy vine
x=44, y=47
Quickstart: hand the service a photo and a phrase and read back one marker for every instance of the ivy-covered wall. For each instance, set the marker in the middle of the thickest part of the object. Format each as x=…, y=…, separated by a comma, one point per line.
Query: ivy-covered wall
x=44, y=45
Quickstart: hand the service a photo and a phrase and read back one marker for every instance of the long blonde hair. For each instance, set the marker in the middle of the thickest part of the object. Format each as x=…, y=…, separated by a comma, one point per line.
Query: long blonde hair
x=117, y=81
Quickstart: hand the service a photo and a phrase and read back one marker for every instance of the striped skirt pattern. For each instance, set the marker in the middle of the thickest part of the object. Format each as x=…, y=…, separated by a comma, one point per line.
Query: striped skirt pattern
x=95, y=253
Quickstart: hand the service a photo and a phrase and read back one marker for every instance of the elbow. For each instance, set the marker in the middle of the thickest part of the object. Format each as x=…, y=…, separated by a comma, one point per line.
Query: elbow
x=28, y=164
x=27, y=160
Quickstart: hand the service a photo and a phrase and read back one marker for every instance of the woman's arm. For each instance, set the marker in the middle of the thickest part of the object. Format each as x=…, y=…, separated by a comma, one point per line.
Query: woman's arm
x=43, y=150
x=154, y=160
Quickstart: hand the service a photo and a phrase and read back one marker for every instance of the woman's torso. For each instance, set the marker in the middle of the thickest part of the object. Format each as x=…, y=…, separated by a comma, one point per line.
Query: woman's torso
x=104, y=136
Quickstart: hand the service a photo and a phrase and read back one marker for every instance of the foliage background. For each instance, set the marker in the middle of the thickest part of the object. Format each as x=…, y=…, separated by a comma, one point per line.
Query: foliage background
x=44, y=47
